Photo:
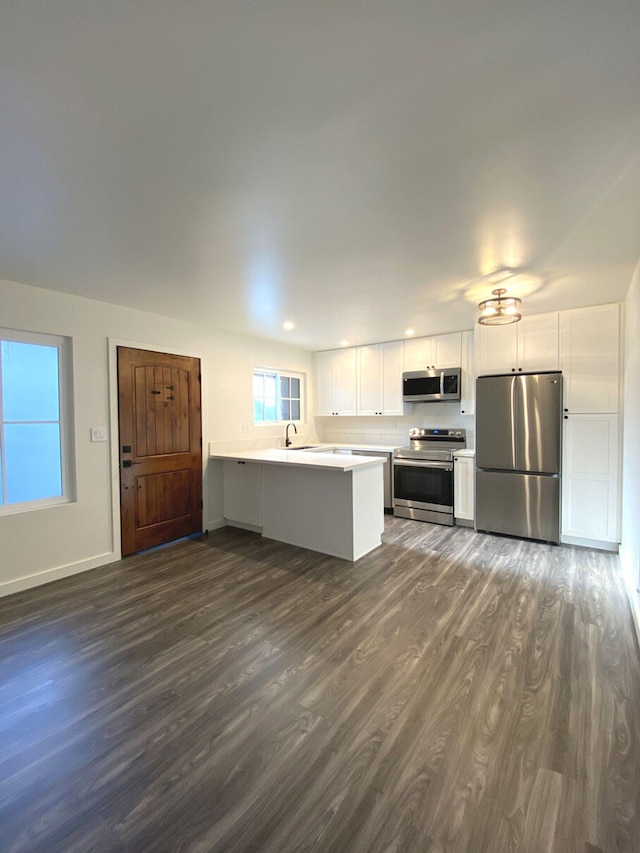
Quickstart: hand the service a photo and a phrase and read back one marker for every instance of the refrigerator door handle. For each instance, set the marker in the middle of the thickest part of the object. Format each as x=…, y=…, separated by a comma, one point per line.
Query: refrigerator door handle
x=514, y=415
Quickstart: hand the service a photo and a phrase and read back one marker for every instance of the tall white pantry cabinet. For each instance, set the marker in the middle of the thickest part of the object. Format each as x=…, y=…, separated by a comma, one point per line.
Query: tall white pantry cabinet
x=590, y=360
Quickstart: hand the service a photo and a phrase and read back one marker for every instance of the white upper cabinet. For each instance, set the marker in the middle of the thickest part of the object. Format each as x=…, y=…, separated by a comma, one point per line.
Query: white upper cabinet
x=530, y=345
x=380, y=379
x=468, y=377
x=538, y=347
x=435, y=352
x=590, y=358
x=336, y=382
x=392, y=365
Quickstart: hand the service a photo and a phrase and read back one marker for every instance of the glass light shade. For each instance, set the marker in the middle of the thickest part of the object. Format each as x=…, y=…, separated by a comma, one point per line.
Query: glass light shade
x=499, y=311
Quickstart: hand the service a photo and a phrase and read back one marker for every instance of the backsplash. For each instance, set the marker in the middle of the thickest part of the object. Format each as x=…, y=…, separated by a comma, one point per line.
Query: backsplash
x=305, y=435
x=394, y=430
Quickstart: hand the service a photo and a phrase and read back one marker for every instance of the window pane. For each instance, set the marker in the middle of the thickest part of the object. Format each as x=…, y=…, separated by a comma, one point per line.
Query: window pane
x=258, y=410
x=33, y=462
x=295, y=410
x=284, y=410
x=270, y=385
x=258, y=385
x=295, y=387
x=284, y=386
x=30, y=389
x=270, y=410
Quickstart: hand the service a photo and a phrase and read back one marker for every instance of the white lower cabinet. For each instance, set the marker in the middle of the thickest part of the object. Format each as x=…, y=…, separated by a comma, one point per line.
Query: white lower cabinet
x=463, y=487
x=590, y=484
x=242, y=497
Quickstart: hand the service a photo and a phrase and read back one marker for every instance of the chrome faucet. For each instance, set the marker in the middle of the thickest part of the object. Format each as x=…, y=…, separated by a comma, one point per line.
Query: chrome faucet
x=288, y=441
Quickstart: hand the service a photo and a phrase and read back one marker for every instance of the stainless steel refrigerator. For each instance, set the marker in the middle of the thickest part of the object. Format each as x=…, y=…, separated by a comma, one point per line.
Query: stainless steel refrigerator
x=518, y=454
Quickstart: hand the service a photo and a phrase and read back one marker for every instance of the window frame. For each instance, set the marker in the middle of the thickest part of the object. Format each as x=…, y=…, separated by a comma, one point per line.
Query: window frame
x=278, y=373
x=65, y=388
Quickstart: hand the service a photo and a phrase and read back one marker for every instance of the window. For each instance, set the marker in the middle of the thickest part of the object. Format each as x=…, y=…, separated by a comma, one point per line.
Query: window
x=277, y=397
x=34, y=427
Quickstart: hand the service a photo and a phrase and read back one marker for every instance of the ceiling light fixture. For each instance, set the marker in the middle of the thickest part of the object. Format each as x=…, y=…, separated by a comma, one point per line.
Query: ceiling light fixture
x=344, y=343
x=409, y=332
x=288, y=325
x=499, y=311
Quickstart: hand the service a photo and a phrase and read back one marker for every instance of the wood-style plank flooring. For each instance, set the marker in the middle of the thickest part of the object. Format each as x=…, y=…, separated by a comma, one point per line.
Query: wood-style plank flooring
x=452, y=691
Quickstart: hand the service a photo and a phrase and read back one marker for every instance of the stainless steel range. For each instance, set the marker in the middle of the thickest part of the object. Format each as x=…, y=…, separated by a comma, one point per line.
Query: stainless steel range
x=423, y=475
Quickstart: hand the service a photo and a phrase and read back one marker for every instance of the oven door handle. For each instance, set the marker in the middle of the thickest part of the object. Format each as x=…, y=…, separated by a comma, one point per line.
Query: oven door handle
x=423, y=463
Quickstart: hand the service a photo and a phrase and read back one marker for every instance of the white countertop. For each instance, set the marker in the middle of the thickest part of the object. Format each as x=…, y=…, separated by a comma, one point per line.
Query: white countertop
x=379, y=448
x=303, y=459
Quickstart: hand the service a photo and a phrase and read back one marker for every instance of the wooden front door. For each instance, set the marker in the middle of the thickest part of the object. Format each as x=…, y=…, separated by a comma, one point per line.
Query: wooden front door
x=160, y=447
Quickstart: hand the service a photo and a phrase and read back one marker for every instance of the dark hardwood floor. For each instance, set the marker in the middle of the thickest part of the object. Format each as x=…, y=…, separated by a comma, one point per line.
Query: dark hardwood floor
x=452, y=691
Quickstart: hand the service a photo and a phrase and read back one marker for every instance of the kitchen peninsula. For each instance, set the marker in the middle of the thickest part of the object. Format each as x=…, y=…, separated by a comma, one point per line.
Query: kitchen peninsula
x=326, y=502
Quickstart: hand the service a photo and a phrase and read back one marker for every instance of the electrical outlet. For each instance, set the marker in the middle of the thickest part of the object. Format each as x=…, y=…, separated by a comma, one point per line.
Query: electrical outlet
x=98, y=433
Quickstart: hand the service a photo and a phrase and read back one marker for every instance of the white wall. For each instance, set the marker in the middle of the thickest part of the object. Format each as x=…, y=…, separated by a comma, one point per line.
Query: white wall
x=52, y=542
x=630, y=545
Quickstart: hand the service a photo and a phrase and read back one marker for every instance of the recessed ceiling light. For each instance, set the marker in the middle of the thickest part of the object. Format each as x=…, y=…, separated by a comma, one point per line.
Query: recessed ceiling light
x=344, y=343
x=409, y=332
x=288, y=325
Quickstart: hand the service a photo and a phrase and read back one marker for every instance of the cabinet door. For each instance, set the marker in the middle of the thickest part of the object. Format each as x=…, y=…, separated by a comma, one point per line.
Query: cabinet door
x=446, y=350
x=369, y=380
x=242, y=497
x=324, y=383
x=468, y=379
x=418, y=354
x=463, y=491
x=392, y=360
x=538, y=343
x=590, y=477
x=496, y=349
x=590, y=358
x=344, y=381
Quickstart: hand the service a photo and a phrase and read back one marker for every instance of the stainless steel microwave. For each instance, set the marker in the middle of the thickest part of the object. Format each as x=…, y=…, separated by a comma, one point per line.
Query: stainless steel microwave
x=431, y=386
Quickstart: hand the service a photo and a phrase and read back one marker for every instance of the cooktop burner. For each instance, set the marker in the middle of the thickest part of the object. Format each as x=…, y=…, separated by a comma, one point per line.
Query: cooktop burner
x=433, y=444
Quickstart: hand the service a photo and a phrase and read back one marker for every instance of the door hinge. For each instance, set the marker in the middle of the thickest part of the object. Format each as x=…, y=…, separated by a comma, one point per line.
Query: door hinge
x=201, y=504
x=200, y=441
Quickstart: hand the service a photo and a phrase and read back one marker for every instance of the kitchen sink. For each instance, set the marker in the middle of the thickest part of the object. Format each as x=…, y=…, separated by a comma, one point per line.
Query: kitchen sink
x=303, y=447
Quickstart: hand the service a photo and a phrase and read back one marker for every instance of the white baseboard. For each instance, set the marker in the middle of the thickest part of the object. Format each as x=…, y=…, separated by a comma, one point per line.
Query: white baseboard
x=251, y=527
x=590, y=543
x=634, y=600
x=630, y=578
x=40, y=578
x=215, y=525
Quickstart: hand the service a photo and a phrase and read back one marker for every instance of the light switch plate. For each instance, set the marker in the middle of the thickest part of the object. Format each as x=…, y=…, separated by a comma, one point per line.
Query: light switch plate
x=98, y=433
x=246, y=428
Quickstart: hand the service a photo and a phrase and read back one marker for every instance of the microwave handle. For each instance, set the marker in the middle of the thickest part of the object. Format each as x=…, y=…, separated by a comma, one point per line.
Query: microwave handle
x=442, y=381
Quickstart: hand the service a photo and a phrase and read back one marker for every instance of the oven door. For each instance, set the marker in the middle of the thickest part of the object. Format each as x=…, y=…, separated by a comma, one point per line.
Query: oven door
x=420, y=484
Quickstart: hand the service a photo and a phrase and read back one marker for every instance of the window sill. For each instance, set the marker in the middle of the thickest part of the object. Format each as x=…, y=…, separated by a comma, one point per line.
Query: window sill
x=32, y=506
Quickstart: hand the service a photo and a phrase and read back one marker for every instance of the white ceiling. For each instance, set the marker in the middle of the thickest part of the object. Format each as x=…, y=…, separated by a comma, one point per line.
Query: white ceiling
x=355, y=167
